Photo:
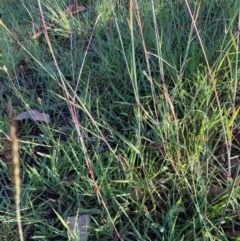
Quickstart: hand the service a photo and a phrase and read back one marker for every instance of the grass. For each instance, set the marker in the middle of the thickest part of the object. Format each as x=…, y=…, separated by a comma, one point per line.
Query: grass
x=144, y=103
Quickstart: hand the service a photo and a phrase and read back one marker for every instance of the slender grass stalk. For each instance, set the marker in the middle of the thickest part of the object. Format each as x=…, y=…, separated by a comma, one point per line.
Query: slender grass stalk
x=133, y=74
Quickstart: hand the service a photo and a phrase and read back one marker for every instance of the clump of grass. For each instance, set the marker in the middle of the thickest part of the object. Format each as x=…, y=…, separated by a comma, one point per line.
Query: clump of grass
x=143, y=99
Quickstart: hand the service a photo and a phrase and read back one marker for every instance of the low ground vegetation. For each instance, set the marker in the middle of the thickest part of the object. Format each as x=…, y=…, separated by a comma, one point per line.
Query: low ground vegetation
x=143, y=100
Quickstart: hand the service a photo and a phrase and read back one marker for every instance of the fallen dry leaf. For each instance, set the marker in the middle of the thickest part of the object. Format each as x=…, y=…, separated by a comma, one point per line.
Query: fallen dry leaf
x=73, y=8
x=78, y=227
x=67, y=180
x=36, y=35
x=137, y=194
x=34, y=115
x=217, y=191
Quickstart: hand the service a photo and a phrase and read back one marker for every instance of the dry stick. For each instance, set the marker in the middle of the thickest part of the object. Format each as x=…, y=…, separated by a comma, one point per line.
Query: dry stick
x=16, y=176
